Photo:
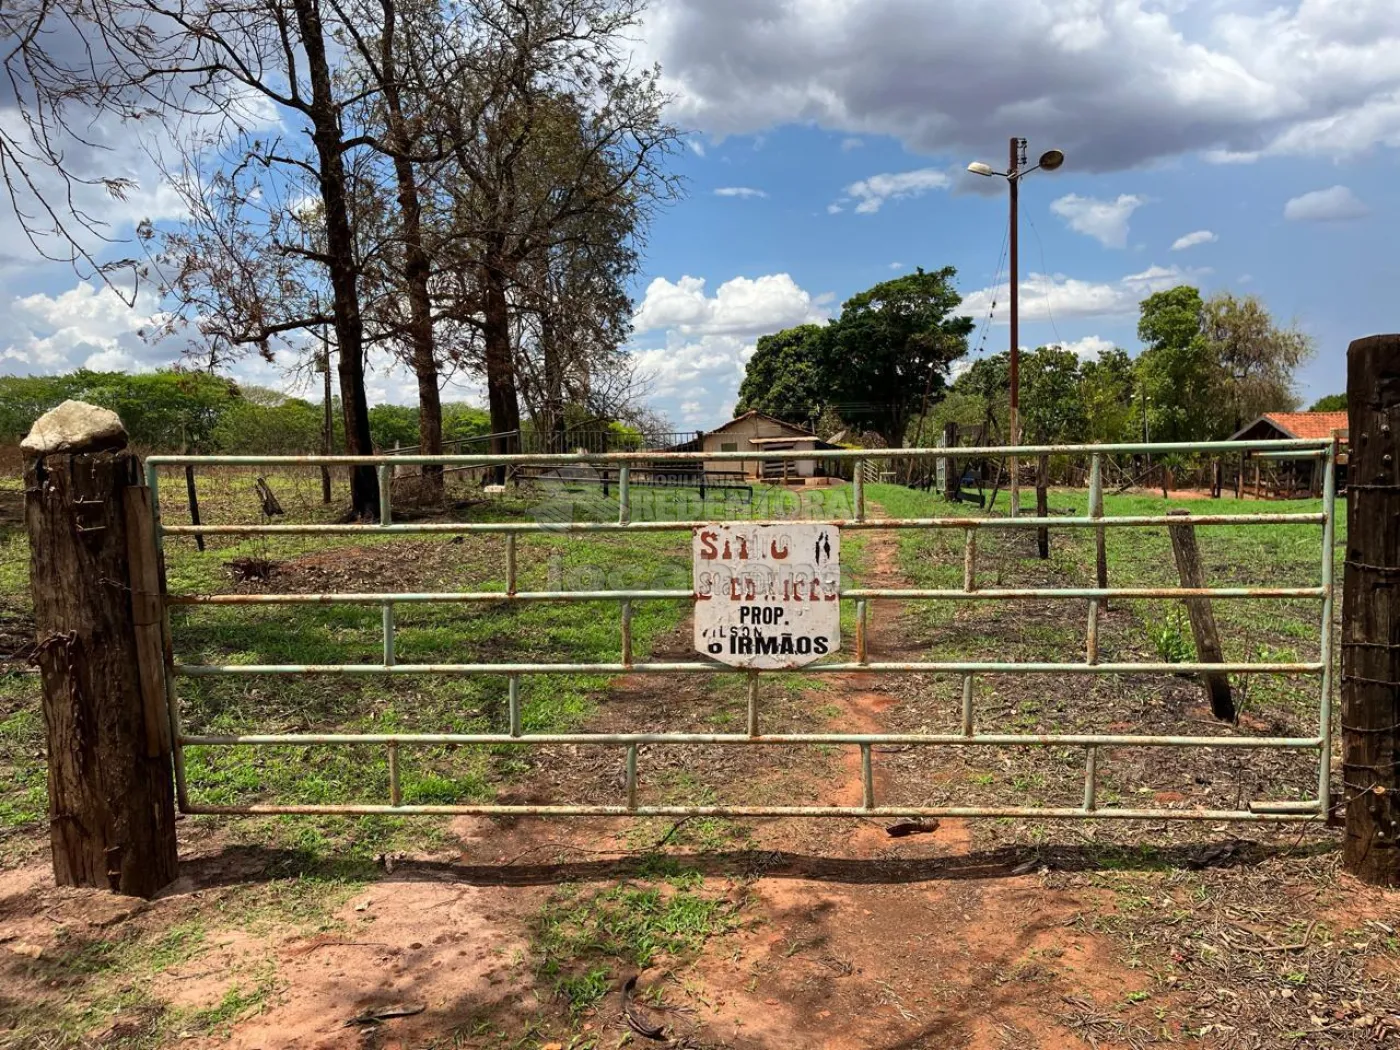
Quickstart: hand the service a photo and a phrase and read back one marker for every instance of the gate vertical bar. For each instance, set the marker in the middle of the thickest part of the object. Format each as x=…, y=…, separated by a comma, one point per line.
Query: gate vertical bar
x=385, y=473
x=510, y=563
x=858, y=489
x=513, y=703
x=967, y=705
x=395, y=786
x=172, y=704
x=867, y=778
x=753, y=703
x=624, y=495
x=1091, y=779
x=1091, y=641
x=387, y=619
x=626, y=634
x=631, y=776
x=1329, y=509
x=861, y=613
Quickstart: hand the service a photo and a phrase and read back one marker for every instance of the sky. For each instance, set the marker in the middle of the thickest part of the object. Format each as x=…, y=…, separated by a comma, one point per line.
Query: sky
x=1237, y=146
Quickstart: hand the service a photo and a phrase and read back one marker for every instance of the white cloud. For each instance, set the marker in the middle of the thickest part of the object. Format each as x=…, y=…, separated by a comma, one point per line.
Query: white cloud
x=1335, y=204
x=87, y=326
x=1046, y=296
x=848, y=144
x=896, y=266
x=834, y=209
x=692, y=348
x=740, y=306
x=696, y=146
x=1113, y=84
x=1104, y=220
x=1190, y=240
x=873, y=192
x=739, y=191
x=1088, y=348
x=1226, y=156
x=696, y=380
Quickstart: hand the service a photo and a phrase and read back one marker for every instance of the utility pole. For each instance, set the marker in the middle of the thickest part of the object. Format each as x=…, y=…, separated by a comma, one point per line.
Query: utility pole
x=1013, y=183
x=1050, y=160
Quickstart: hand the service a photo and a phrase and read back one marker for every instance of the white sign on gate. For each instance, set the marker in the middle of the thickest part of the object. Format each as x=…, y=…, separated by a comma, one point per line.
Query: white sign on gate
x=767, y=596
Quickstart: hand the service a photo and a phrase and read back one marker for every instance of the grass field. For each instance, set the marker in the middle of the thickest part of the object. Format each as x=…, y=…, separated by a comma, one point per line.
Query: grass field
x=578, y=938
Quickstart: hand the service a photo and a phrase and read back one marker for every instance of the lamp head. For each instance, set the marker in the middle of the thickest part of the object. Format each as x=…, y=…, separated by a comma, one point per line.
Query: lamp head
x=1050, y=159
x=978, y=168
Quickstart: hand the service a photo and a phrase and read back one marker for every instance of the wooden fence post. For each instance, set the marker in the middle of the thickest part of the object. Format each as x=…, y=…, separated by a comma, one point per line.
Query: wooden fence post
x=1203, y=629
x=193, y=495
x=1370, y=691
x=92, y=572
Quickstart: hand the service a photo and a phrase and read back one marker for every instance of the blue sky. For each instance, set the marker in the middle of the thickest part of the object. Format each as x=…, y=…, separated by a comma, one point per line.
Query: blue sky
x=840, y=129
x=1330, y=267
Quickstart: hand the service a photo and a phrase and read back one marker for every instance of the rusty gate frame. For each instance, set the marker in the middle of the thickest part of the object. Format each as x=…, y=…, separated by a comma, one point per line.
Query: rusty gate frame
x=1260, y=811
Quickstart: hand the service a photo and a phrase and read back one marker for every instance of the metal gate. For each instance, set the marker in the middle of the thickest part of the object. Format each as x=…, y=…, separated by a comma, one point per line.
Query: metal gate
x=1084, y=664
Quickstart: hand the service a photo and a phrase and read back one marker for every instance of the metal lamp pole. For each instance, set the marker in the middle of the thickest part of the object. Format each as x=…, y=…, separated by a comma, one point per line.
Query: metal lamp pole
x=1049, y=160
x=1013, y=183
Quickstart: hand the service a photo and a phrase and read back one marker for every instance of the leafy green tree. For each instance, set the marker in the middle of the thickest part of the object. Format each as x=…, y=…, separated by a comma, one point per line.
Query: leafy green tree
x=270, y=425
x=1051, y=406
x=169, y=409
x=873, y=365
x=891, y=345
x=1256, y=357
x=1330, y=403
x=1178, y=378
x=980, y=396
x=785, y=376
x=392, y=425
x=464, y=421
x=1106, y=393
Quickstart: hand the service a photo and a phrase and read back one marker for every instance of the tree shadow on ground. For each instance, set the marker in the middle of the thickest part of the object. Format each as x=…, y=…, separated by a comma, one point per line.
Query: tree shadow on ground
x=237, y=865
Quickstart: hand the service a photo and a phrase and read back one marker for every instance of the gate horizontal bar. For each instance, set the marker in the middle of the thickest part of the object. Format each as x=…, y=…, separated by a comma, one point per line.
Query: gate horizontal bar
x=546, y=458
x=1251, y=815
x=630, y=739
x=1135, y=521
x=991, y=594
x=987, y=667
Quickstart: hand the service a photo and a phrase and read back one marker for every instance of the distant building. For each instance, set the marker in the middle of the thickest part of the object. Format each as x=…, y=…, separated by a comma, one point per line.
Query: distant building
x=1286, y=478
x=756, y=432
x=1281, y=425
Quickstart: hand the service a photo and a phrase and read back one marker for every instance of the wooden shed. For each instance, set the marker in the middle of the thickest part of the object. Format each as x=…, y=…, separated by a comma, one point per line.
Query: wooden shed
x=1287, y=479
x=757, y=432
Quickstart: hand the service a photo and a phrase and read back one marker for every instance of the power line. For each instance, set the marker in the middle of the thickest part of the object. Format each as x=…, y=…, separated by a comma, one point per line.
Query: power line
x=996, y=284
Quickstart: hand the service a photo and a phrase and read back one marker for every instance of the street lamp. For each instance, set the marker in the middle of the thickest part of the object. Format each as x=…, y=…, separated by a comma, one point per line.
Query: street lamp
x=1049, y=160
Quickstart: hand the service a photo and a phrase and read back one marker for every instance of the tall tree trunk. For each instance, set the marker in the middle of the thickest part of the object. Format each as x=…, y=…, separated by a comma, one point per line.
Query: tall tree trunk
x=555, y=423
x=416, y=265
x=340, y=247
x=501, y=394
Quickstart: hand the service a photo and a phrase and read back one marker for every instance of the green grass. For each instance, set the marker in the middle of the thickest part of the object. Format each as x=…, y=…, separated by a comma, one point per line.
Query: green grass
x=583, y=943
x=436, y=633
x=1237, y=555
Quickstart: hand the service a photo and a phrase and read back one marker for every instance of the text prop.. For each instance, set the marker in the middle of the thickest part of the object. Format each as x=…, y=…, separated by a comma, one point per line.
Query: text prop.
x=767, y=596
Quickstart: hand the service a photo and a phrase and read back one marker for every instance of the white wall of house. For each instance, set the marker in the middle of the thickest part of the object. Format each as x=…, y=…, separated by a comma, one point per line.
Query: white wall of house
x=739, y=437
